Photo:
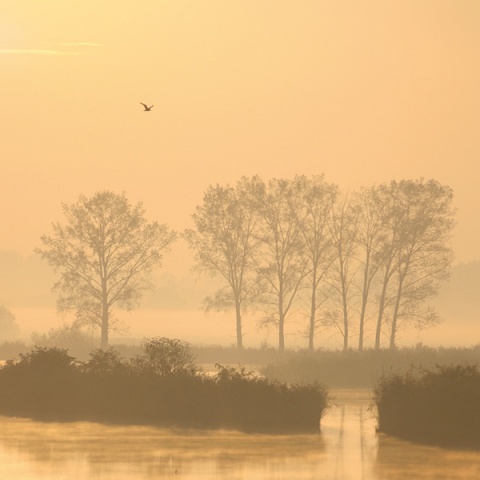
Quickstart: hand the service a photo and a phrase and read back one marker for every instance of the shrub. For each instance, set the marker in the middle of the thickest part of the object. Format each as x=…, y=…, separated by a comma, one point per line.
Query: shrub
x=164, y=388
x=104, y=362
x=43, y=381
x=166, y=356
x=434, y=406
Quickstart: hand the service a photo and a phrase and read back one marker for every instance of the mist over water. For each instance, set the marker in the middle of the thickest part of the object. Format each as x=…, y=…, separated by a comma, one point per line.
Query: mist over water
x=347, y=448
x=360, y=92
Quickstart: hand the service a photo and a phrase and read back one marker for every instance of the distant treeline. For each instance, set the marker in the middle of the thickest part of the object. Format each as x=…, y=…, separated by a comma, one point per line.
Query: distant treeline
x=354, y=369
x=340, y=369
x=161, y=386
x=435, y=406
x=365, y=262
x=364, y=265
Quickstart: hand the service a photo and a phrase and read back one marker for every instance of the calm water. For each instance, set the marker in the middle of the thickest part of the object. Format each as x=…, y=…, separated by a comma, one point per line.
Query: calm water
x=348, y=448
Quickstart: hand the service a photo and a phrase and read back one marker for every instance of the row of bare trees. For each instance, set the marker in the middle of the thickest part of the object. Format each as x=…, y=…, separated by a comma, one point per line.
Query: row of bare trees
x=365, y=264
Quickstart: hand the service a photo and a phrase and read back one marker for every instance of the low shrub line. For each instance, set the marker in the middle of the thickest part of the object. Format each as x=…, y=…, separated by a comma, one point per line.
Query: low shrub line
x=354, y=369
x=163, y=386
x=437, y=406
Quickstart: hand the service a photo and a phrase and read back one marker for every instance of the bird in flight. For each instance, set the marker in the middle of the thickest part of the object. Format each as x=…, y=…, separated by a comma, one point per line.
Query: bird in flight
x=146, y=108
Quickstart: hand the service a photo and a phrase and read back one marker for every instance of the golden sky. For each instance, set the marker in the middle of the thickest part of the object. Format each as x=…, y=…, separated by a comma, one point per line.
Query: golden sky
x=364, y=92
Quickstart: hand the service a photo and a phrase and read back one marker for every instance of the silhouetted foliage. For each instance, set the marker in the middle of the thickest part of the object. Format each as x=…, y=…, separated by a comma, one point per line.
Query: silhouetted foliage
x=104, y=254
x=356, y=264
x=163, y=388
x=355, y=369
x=439, y=406
x=166, y=356
x=105, y=362
x=223, y=244
x=45, y=379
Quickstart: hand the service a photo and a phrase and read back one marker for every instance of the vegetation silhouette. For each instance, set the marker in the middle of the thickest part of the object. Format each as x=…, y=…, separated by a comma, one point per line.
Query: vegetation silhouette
x=104, y=253
x=333, y=368
x=162, y=386
x=361, y=369
x=369, y=261
x=438, y=406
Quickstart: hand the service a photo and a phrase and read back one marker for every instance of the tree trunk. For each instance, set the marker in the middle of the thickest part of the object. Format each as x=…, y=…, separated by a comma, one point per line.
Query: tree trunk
x=281, y=333
x=365, y=291
x=238, y=313
x=345, y=327
x=361, y=329
x=281, y=319
x=393, y=331
x=104, y=335
x=311, y=326
x=281, y=326
x=381, y=307
x=345, y=310
x=378, y=330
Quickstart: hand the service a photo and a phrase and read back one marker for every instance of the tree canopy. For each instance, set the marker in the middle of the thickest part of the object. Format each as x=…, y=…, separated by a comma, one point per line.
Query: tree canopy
x=104, y=253
x=365, y=264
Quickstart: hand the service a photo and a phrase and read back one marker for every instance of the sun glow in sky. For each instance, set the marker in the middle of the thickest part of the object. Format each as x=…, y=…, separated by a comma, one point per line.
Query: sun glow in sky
x=363, y=92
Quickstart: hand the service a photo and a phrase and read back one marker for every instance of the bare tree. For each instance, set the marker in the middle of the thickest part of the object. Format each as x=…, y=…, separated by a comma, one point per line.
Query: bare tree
x=314, y=216
x=388, y=265
x=104, y=254
x=344, y=231
x=281, y=262
x=223, y=243
x=369, y=209
x=424, y=253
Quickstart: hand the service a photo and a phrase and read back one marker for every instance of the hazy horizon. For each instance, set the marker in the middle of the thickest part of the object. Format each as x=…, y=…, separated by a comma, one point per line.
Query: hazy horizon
x=363, y=93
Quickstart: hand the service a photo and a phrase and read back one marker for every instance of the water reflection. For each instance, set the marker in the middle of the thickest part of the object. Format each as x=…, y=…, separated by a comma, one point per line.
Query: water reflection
x=398, y=460
x=84, y=450
x=349, y=434
x=348, y=448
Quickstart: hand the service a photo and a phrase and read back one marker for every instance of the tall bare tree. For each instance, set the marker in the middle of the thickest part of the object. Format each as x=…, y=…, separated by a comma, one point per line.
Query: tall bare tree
x=281, y=262
x=104, y=254
x=392, y=220
x=424, y=253
x=344, y=230
x=223, y=243
x=314, y=216
x=369, y=209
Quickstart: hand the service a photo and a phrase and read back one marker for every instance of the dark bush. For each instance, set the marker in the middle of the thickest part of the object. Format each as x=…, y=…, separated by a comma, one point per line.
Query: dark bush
x=104, y=362
x=166, y=356
x=162, y=387
x=439, y=406
x=44, y=379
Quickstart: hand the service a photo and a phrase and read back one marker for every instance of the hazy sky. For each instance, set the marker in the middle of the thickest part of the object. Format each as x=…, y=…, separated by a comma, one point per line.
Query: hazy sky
x=364, y=92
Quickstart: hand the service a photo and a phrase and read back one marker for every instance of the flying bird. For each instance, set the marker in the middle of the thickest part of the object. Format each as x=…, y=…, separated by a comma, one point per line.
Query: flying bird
x=146, y=108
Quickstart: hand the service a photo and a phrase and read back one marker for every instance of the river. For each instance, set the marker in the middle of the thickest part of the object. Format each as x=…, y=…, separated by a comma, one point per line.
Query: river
x=347, y=448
